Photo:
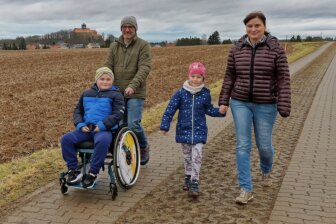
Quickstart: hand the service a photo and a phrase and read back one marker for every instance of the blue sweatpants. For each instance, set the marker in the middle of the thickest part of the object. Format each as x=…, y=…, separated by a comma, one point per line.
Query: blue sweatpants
x=102, y=141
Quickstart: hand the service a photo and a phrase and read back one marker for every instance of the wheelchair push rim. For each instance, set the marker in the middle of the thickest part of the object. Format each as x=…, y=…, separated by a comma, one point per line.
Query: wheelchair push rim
x=126, y=158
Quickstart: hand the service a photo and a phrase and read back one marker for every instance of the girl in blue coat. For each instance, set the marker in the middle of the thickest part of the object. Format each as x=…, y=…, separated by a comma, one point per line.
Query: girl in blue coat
x=193, y=101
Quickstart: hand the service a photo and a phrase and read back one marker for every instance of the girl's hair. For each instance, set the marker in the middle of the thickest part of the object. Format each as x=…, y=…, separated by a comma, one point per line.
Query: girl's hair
x=256, y=14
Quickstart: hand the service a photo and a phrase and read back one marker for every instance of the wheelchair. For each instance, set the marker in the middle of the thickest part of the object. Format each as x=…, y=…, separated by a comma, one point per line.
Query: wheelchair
x=122, y=160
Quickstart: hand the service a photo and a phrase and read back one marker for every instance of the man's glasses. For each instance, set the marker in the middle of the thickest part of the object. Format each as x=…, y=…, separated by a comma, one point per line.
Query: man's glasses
x=127, y=27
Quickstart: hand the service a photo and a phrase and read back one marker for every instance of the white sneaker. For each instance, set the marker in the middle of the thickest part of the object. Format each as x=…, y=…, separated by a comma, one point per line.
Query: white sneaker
x=266, y=180
x=244, y=197
x=74, y=177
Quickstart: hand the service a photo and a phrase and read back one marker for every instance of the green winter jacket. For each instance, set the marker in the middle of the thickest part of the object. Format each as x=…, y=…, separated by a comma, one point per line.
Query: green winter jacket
x=130, y=65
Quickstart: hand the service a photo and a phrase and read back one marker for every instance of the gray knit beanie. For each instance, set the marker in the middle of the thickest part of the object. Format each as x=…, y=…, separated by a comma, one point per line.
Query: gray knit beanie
x=130, y=20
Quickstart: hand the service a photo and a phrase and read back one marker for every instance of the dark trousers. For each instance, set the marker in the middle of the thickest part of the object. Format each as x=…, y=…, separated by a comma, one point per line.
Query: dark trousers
x=102, y=141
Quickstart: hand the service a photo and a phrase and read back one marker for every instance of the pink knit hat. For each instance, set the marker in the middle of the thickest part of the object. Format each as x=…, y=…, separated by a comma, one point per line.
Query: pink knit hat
x=197, y=68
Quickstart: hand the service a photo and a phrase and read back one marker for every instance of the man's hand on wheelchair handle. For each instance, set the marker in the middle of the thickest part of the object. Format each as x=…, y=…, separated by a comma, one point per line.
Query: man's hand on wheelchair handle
x=129, y=91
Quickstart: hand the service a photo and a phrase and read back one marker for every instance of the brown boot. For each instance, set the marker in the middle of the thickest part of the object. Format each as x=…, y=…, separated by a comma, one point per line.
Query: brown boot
x=144, y=154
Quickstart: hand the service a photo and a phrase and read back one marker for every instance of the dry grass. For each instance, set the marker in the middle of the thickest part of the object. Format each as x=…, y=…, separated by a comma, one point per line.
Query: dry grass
x=302, y=49
x=24, y=175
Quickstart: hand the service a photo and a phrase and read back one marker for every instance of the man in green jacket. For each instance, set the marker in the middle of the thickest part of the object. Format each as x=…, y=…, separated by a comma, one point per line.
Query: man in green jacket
x=130, y=60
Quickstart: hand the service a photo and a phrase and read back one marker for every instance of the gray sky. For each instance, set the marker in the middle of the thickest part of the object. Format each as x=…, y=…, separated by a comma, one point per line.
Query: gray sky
x=160, y=20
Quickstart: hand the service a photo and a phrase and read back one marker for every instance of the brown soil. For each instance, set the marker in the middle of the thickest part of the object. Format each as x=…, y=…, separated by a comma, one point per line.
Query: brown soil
x=39, y=89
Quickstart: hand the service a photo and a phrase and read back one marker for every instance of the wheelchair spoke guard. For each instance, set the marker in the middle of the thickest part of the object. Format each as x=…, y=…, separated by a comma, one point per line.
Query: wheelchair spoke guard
x=126, y=156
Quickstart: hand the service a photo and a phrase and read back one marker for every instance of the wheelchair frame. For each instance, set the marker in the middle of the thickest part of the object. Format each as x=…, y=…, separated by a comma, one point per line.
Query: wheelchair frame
x=123, y=165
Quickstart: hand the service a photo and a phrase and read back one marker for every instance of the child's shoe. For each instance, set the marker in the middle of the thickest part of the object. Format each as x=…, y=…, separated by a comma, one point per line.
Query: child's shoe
x=186, y=182
x=89, y=180
x=74, y=177
x=194, y=189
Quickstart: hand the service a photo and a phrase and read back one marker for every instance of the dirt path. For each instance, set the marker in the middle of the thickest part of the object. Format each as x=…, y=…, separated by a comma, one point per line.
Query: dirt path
x=168, y=203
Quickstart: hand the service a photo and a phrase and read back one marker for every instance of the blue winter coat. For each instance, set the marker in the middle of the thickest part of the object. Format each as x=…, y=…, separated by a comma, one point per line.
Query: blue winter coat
x=102, y=108
x=191, y=127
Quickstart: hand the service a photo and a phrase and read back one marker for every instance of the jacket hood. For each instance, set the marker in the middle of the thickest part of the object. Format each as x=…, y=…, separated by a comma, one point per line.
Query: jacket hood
x=271, y=41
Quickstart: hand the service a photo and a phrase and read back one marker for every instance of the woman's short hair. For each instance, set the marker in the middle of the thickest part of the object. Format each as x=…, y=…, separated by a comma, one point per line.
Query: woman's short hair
x=256, y=14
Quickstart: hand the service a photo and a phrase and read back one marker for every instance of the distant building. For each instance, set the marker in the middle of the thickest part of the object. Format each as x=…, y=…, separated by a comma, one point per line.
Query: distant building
x=84, y=29
x=54, y=46
x=32, y=46
x=78, y=46
x=63, y=45
x=93, y=45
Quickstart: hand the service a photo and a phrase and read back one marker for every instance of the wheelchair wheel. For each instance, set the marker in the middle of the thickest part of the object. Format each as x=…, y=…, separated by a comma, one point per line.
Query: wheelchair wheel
x=126, y=158
x=64, y=189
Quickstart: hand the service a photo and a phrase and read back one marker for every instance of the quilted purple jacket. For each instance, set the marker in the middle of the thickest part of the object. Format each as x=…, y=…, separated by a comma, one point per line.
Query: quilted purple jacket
x=258, y=74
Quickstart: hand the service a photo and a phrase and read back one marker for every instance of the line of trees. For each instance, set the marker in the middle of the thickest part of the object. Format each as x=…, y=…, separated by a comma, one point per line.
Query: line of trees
x=63, y=36
x=18, y=44
x=310, y=39
x=71, y=38
x=188, y=41
x=214, y=38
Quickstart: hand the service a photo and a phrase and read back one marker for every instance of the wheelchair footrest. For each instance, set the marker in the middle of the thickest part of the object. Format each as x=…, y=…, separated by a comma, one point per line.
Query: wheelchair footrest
x=79, y=186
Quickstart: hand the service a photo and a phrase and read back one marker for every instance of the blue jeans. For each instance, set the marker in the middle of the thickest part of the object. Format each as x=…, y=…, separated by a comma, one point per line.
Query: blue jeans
x=102, y=141
x=262, y=116
x=134, y=115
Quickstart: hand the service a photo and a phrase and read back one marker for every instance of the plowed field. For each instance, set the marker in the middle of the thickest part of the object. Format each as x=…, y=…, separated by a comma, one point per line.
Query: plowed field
x=39, y=89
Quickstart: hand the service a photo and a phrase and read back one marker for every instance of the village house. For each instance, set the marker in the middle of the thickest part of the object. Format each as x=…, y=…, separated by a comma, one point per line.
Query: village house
x=93, y=45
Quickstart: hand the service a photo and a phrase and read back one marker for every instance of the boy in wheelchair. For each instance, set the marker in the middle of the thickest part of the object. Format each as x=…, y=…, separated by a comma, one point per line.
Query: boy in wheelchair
x=99, y=109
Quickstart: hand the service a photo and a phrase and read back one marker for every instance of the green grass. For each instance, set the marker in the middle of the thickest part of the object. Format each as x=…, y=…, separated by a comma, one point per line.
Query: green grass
x=22, y=176
x=302, y=49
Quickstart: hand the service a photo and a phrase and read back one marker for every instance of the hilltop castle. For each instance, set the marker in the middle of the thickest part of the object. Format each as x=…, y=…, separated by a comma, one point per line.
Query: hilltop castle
x=84, y=29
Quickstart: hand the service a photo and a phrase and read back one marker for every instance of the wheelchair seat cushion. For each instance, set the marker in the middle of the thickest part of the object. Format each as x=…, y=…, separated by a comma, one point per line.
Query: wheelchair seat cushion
x=86, y=145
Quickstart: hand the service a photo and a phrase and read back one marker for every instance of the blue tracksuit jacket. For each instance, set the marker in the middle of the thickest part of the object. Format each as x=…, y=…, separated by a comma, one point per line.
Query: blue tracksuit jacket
x=102, y=108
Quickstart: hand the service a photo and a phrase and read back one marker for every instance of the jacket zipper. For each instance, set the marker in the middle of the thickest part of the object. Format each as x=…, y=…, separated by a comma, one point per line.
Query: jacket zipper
x=252, y=74
x=192, y=120
x=127, y=52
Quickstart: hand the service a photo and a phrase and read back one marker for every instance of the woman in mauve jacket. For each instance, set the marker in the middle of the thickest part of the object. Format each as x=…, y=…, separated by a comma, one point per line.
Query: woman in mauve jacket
x=256, y=86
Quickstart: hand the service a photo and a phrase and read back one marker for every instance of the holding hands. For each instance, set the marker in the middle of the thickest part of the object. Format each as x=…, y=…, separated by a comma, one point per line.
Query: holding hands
x=223, y=109
x=164, y=132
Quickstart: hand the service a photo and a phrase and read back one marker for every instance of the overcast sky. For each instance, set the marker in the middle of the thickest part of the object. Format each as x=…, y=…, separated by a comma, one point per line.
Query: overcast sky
x=160, y=20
